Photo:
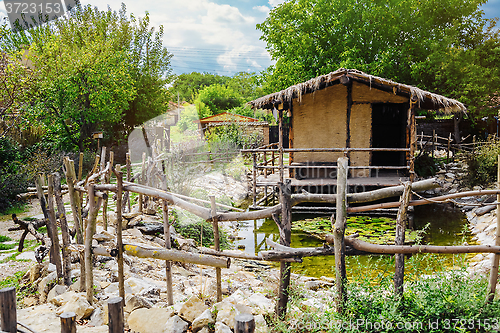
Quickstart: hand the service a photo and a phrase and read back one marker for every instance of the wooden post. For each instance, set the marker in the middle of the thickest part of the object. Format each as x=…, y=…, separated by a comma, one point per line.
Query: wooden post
x=285, y=230
x=254, y=181
x=400, y=239
x=93, y=211
x=496, y=258
x=74, y=198
x=448, y=151
x=215, y=224
x=8, y=314
x=80, y=167
x=168, y=245
x=129, y=176
x=433, y=142
x=52, y=227
x=280, y=146
x=265, y=164
x=68, y=322
x=66, y=238
x=119, y=239
x=339, y=230
x=115, y=315
x=244, y=323
x=143, y=176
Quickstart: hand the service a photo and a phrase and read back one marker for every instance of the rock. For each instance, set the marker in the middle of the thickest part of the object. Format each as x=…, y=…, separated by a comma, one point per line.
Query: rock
x=192, y=308
x=175, y=325
x=311, y=304
x=35, y=272
x=133, y=302
x=103, y=236
x=30, y=301
x=149, y=320
x=260, y=324
x=45, y=285
x=227, y=311
x=135, y=221
x=79, y=305
x=477, y=188
x=139, y=285
x=202, y=320
x=97, y=318
x=261, y=304
x=222, y=328
x=317, y=284
x=56, y=291
x=206, y=330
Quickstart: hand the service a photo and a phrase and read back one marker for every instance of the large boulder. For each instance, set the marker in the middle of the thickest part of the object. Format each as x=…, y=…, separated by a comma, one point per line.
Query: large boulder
x=202, y=320
x=175, y=325
x=192, y=308
x=149, y=320
x=79, y=305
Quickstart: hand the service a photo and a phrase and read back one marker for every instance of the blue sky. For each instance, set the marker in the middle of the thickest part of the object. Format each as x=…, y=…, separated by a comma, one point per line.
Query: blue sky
x=216, y=36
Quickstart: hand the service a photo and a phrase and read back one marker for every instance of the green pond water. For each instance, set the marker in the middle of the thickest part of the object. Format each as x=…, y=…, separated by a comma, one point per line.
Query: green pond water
x=441, y=225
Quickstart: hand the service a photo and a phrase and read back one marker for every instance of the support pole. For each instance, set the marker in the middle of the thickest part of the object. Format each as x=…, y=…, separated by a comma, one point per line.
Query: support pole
x=496, y=258
x=285, y=229
x=433, y=142
x=8, y=314
x=93, y=211
x=254, y=180
x=215, y=225
x=115, y=315
x=74, y=198
x=142, y=182
x=68, y=322
x=400, y=239
x=106, y=179
x=52, y=228
x=119, y=239
x=339, y=230
x=129, y=177
x=66, y=238
x=168, y=245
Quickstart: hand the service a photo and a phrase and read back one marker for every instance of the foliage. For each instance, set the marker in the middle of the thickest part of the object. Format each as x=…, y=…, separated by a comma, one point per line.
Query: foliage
x=95, y=70
x=377, y=230
x=215, y=99
x=430, y=304
x=195, y=230
x=483, y=163
x=447, y=47
x=4, y=239
x=12, y=181
x=186, y=86
x=425, y=165
x=235, y=134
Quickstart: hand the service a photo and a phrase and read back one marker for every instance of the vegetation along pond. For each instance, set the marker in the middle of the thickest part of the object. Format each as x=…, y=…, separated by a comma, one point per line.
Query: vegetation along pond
x=432, y=224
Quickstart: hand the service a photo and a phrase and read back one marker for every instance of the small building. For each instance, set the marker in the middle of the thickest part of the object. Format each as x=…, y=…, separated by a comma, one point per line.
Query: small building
x=249, y=126
x=348, y=112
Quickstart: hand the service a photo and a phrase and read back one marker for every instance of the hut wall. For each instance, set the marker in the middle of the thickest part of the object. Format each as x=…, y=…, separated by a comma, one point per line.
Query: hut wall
x=320, y=121
x=362, y=93
x=361, y=133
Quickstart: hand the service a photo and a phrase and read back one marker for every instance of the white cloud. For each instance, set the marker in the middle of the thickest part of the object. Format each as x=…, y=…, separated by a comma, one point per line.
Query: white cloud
x=263, y=9
x=274, y=3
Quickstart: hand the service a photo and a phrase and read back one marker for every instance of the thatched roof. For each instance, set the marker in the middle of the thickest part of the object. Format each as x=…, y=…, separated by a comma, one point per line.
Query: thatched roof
x=425, y=100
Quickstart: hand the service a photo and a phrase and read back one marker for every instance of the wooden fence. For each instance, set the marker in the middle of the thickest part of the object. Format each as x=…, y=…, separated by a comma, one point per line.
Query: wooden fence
x=97, y=185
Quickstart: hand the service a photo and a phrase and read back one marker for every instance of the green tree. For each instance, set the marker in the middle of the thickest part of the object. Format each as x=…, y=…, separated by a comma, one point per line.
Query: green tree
x=215, y=99
x=438, y=45
x=187, y=86
x=95, y=70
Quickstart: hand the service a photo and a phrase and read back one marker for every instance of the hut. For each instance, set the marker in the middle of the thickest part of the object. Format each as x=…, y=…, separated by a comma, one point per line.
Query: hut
x=249, y=126
x=348, y=112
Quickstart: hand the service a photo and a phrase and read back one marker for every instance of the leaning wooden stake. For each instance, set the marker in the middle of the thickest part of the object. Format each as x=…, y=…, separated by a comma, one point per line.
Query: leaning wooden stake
x=168, y=263
x=496, y=258
x=285, y=230
x=52, y=227
x=74, y=198
x=339, y=230
x=93, y=211
x=68, y=322
x=400, y=239
x=119, y=226
x=66, y=238
x=215, y=223
x=129, y=177
x=8, y=314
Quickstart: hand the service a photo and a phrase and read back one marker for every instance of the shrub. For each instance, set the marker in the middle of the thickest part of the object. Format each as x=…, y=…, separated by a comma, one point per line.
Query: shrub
x=194, y=231
x=12, y=180
x=483, y=164
x=425, y=165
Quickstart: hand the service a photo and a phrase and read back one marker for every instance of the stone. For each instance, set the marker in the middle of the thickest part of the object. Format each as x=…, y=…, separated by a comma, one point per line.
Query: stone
x=139, y=285
x=202, y=320
x=311, y=304
x=222, y=328
x=30, y=301
x=149, y=320
x=260, y=324
x=56, y=291
x=79, y=305
x=133, y=302
x=227, y=311
x=45, y=285
x=192, y=308
x=206, y=330
x=103, y=236
x=35, y=272
x=97, y=318
x=175, y=325
x=261, y=304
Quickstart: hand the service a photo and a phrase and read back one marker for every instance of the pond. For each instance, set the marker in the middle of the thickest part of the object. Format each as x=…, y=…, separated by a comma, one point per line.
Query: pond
x=441, y=225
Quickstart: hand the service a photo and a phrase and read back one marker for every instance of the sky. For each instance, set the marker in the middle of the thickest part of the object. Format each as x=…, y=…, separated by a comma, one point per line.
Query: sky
x=215, y=36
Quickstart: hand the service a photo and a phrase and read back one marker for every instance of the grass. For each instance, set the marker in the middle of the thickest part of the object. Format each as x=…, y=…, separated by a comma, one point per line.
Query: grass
x=4, y=247
x=446, y=301
x=4, y=239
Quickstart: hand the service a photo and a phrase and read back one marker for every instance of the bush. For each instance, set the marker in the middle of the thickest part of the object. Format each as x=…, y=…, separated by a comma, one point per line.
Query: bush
x=483, y=164
x=12, y=180
x=194, y=231
x=425, y=165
